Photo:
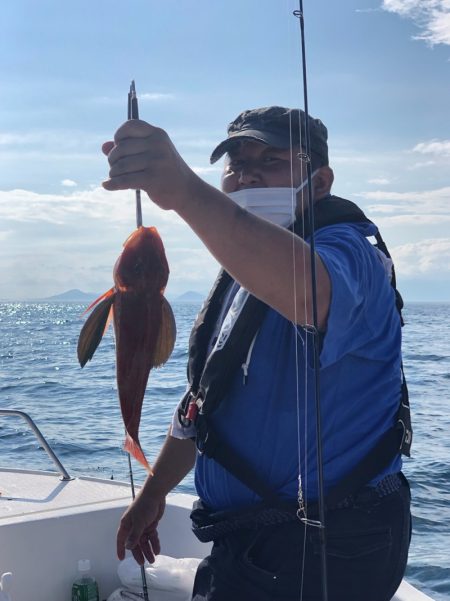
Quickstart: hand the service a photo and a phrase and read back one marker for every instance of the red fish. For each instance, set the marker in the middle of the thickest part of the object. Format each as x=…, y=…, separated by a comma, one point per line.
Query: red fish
x=144, y=325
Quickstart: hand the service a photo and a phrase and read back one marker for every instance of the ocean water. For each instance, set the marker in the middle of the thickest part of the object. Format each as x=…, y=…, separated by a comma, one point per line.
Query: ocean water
x=78, y=412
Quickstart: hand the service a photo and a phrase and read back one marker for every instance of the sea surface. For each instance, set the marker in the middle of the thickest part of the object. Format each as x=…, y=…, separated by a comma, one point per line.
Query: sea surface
x=78, y=412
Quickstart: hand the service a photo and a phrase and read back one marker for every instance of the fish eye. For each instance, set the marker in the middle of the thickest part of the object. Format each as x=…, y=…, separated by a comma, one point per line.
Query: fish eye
x=138, y=267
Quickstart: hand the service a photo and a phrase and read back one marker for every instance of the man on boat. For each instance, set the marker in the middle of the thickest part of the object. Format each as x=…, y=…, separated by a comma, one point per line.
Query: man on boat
x=280, y=336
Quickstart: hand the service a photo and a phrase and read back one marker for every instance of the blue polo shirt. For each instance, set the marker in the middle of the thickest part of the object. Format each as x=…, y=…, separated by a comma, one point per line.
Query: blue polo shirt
x=269, y=416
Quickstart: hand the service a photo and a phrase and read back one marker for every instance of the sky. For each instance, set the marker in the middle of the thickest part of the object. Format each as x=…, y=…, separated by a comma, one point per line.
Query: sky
x=378, y=77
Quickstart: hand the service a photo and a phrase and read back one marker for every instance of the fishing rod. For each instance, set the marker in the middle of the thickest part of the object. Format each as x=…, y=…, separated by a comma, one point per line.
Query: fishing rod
x=133, y=113
x=313, y=330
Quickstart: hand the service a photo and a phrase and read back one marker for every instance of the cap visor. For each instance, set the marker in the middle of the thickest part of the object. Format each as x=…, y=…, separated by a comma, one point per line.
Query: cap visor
x=269, y=138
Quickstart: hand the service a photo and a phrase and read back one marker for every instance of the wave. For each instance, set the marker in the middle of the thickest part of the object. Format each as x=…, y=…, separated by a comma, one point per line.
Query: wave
x=437, y=579
x=423, y=357
x=78, y=412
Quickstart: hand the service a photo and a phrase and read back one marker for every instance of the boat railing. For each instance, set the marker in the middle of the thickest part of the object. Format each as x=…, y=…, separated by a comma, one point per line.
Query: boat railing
x=41, y=439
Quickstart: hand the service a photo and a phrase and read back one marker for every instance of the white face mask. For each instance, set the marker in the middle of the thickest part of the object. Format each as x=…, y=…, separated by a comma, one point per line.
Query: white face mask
x=277, y=205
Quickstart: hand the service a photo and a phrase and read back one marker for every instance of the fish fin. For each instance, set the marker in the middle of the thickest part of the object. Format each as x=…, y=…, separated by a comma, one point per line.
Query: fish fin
x=93, y=329
x=167, y=335
x=108, y=320
x=134, y=448
x=104, y=296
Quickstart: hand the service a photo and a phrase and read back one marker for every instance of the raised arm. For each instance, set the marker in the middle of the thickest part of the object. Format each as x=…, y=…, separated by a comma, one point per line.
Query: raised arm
x=267, y=260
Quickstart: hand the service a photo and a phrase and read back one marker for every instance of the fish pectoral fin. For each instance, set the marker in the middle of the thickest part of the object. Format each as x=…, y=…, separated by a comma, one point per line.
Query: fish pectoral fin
x=167, y=335
x=93, y=330
x=104, y=296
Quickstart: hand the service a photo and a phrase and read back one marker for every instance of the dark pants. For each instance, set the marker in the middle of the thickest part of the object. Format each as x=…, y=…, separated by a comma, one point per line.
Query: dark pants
x=367, y=551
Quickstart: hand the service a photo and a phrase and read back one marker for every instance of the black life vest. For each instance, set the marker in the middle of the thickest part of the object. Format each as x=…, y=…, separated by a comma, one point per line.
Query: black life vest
x=210, y=376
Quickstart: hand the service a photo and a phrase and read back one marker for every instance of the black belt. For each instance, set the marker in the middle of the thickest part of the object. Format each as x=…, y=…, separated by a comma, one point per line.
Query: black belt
x=208, y=525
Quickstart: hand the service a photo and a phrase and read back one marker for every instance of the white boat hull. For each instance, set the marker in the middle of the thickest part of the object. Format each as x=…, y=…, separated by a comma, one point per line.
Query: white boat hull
x=47, y=525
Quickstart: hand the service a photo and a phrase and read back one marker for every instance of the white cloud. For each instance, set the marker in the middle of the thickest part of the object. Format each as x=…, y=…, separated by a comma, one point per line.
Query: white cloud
x=201, y=144
x=206, y=170
x=431, y=16
x=191, y=267
x=155, y=96
x=427, y=207
x=438, y=147
x=420, y=165
x=50, y=137
x=5, y=234
x=430, y=257
x=144, y=97
x=18, y=139
x=351, y=159
x=438, y=198
x=380, y=181
x=49, y=145
x=383, y=209
x=66, y=209
x=411, y=219
x=54, y=242
x=68, y=183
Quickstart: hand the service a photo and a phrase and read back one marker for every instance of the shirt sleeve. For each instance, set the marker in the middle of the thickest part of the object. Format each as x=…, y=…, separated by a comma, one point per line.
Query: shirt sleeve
x=358, y=282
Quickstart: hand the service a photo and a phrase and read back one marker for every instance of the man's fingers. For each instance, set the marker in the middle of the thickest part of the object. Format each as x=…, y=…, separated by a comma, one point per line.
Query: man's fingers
x=138, y=555
x=122, y=535
x=131, y=181
x=154, y=542
x=129, y=164
x=127, y=147
x=128, y=536
x=107, y=147
x=135, y=128
x=147, y=550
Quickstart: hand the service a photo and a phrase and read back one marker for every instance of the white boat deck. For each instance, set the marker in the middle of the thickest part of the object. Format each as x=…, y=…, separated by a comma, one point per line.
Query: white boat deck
x=26, y=495
x=47, y=524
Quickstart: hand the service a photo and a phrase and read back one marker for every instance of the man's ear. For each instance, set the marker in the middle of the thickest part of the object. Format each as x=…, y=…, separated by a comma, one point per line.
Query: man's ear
x=322, y=182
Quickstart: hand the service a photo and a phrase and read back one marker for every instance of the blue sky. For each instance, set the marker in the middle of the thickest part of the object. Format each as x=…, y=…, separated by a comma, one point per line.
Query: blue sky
x=378, y=76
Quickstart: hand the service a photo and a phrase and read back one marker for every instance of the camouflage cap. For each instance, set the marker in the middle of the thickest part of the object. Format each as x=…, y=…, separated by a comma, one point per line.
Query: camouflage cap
x=277, y=126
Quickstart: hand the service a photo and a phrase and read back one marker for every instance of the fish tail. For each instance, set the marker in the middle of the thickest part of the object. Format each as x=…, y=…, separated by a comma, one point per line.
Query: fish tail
x=134, y=448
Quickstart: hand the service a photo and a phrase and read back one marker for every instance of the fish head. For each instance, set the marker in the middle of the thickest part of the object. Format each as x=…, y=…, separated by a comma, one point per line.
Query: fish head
x=142, y=264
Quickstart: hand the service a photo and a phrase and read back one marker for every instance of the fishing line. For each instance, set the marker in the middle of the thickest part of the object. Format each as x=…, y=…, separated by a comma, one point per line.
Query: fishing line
x=300, y=496
x=303, y=492
x=313, y=331
x=133, y=113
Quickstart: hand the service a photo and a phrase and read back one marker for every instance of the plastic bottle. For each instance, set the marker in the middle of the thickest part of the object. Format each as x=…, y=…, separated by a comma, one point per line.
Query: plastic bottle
x=5, y=586
x=84, y=587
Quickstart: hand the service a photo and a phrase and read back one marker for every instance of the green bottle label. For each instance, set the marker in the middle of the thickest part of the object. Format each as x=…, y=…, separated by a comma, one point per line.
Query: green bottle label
x=85, y=592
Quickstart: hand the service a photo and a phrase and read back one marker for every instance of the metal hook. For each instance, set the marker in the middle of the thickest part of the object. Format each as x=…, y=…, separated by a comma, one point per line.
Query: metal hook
x=303, y=156
x=313, y=523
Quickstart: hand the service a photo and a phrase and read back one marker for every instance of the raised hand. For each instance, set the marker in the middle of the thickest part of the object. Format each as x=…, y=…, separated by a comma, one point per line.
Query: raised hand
x=143, y=157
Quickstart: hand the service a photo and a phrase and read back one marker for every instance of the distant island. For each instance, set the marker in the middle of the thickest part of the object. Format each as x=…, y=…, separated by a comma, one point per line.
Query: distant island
x=190, y=297
x=73, y=295
x=76, y=295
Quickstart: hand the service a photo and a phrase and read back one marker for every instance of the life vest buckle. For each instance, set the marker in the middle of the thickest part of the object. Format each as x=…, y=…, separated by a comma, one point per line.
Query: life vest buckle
x=194, y=406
